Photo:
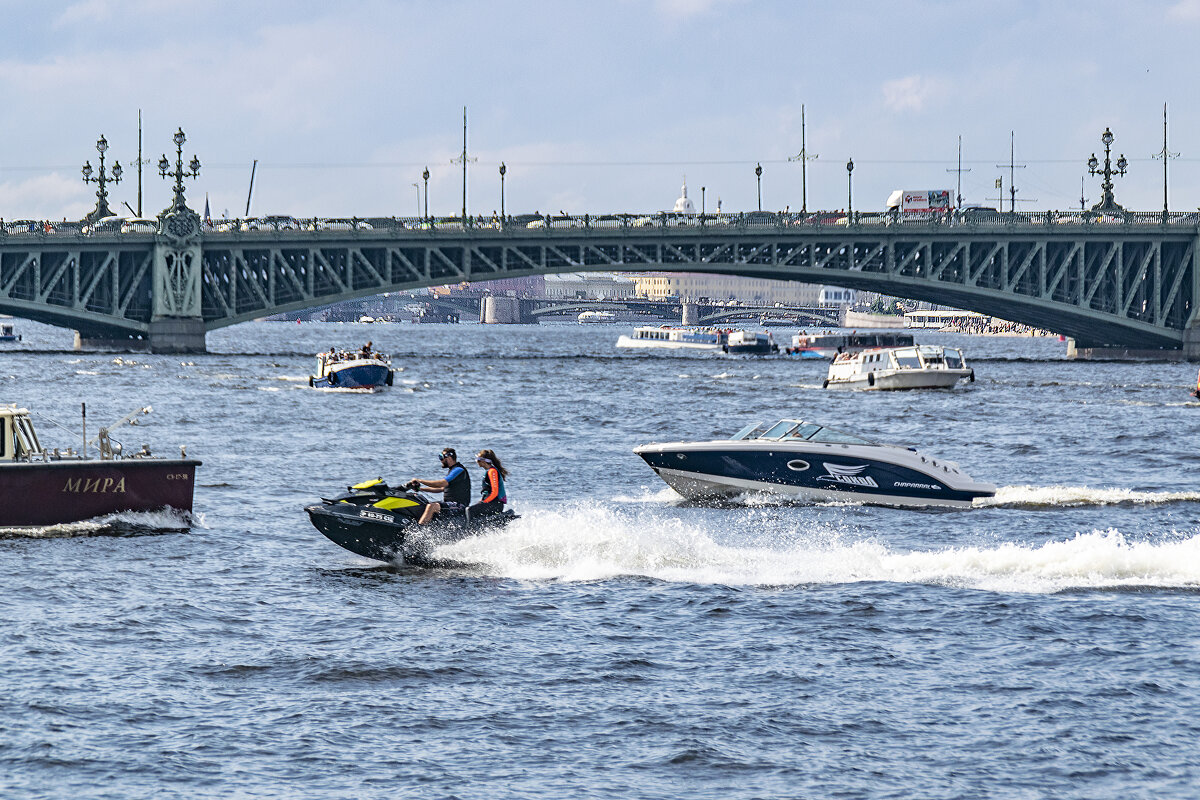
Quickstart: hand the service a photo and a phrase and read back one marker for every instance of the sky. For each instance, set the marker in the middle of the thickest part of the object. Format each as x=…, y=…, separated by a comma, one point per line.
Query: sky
x=594, y=107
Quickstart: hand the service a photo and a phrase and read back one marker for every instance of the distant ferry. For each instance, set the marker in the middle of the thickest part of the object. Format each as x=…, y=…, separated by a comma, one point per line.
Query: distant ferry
x=924, y=367
x=8, y=333
x=725, y=340
x=828, y=345
x=598, y=316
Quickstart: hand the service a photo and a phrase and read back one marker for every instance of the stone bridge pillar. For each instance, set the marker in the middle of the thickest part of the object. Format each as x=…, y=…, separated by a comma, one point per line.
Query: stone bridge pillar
x=1191, y=343
x=691, y=313
x=177, y=325
x=507, y=311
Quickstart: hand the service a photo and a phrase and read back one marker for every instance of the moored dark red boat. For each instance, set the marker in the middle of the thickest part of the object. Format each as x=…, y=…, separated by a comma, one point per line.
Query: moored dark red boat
x=41, y=487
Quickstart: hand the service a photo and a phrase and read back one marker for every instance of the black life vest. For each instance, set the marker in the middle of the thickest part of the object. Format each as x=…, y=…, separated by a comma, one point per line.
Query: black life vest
x=459, y=488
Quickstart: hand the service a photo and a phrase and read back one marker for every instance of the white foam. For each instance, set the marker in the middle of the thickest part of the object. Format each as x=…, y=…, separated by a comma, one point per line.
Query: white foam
x=1069, y=496
x=590, y=544
x=122, y=522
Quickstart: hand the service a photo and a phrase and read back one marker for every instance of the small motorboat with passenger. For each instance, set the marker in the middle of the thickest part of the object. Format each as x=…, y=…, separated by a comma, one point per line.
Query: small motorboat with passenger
x=365, y=369
x=921, y=367
x=812, y=462
x=376, y=521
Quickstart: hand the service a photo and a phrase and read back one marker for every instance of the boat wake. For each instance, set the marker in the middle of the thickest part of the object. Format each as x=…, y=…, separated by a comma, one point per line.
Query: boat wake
x=1077, y=496
x=125, y=523
x=593, y=544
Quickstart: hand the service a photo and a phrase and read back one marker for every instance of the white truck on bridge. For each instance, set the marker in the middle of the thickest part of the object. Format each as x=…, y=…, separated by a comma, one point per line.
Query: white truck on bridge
x=920, y=202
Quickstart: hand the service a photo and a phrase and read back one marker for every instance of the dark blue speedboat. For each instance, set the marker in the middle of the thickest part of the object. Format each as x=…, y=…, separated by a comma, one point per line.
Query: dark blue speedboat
x=365, y=370
x=808, y=461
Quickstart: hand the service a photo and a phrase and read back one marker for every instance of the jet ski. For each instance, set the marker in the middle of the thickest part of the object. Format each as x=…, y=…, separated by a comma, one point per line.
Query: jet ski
x=377, y=521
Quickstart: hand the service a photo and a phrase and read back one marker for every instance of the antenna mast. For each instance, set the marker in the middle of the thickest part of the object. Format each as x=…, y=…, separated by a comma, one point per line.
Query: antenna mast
x=960, y=171
x=1166, y=155
x=803, y=157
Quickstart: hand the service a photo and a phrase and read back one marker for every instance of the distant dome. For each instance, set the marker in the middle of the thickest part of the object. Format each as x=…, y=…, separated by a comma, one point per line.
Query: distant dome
x=683, y=205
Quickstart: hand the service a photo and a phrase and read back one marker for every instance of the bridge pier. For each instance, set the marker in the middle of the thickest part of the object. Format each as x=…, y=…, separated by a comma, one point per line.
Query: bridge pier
x=177, y=335
x=507, y=311
x=691, y=313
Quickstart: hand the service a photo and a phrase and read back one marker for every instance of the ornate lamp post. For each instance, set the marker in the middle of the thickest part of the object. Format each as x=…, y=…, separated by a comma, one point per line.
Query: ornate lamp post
x=101, y=209
x=425, y=176
x=1107, y=203
x=758, y=174
x=179, y=173
x=503, y=169
x=850, y=188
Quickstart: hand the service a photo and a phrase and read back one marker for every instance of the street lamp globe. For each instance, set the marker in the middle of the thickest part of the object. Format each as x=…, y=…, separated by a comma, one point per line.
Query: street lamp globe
x=1093, y=162
x=850, y=165
x=116, y=170
x=425, y=174
x=1122, y=163
x=179, y=137
x=87, y=170
x=163, y=166
x=758, y=170
x=1106, y=137
x=194, y=166
x=102, y=145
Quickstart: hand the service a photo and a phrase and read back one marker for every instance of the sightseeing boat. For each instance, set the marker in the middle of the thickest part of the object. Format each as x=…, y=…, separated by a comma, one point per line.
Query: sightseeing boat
x=49, y=487
x=597, y=316
x=828, y=345
x=811, y=462
x=923, y=367
x=723, y=340
x=8, y=333
x=365, y=369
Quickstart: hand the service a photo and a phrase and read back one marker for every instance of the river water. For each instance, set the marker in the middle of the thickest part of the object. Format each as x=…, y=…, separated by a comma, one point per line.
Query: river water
x=615, y=641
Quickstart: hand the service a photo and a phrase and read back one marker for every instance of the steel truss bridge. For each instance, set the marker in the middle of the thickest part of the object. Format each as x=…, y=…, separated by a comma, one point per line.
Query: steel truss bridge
x=705, y=312
x=1128, y=283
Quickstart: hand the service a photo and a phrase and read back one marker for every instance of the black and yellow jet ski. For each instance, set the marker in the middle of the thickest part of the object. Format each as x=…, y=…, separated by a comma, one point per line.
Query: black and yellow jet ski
x=379, y=522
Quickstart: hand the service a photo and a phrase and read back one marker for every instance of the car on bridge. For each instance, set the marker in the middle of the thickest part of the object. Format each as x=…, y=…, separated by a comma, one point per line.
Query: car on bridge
x=24, y=226
x=277, y=222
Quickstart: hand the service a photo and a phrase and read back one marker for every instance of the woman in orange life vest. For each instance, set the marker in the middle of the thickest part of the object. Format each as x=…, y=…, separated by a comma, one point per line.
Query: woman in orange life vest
x=494, y=496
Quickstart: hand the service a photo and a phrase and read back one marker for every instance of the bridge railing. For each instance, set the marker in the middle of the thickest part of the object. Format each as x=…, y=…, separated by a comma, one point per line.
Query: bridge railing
x=534, y=224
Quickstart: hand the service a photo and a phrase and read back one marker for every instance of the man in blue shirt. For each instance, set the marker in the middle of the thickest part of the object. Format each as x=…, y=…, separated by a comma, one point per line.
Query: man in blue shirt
x=456, y=487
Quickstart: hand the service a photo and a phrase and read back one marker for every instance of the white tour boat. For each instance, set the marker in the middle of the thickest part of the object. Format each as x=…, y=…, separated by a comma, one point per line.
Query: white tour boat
x=725, y=340
x=598, y=316
x=828, y=345
x=923, y=367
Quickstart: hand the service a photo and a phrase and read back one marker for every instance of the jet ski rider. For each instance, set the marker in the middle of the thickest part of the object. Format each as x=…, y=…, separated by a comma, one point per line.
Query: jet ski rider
x=456, y=487
x=494, y=496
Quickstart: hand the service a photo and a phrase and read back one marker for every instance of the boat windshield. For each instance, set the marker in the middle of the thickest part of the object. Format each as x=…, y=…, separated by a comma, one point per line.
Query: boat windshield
x=803, y=431
x=907, y=358
x=751, y=431
x=780, y=429
x=954, y=359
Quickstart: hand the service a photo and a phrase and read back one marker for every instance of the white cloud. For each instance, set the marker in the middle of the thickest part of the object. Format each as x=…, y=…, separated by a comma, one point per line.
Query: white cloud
x=51, y=196
x=685, y=9
x=911, y=93
x=1185, y=10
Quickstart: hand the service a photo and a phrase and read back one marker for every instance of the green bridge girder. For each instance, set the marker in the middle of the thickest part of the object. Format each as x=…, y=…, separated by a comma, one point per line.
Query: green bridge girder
x=1115, y=285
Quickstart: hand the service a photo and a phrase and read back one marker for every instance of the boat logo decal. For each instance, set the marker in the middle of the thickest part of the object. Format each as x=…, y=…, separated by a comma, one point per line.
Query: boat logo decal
x=375, y=515
x=905, y=485
x=95, y=485
x=840, y=473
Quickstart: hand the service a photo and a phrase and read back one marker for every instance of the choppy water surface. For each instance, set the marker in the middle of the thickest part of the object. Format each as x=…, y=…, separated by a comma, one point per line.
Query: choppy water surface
x=616, y=641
